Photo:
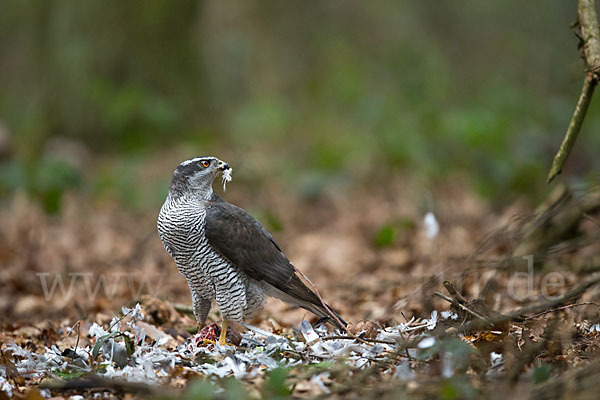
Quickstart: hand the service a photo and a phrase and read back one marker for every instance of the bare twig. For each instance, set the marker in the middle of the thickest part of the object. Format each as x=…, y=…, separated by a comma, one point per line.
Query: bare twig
x=353, y=338
x=454, y=293
x=77, y=324
x=594, y=220
x=464, y=308
x=588, y=21
x=585, y=97
x=119, y=320
x=587, y=303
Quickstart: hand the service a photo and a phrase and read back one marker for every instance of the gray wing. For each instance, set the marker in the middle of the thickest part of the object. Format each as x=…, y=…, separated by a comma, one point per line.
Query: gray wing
x=242, y=240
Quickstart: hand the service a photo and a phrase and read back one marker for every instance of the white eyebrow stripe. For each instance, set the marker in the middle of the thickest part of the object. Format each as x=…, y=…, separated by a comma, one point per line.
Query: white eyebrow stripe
x=193, y=160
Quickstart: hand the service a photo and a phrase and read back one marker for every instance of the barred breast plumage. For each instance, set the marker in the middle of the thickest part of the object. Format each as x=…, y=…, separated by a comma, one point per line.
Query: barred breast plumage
x=181, y=226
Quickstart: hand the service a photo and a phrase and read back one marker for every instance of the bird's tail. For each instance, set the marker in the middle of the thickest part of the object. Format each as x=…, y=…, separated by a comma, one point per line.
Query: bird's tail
x=333, y=317
x=310, y=301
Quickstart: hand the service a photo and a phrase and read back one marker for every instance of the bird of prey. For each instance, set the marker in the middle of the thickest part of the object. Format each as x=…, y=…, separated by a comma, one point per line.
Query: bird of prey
x=224, y=253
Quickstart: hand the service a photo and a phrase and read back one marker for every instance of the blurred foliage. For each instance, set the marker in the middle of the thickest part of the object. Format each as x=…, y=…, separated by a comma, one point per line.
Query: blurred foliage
x=325, y=91
x=542, y=373
x=389, y=233
x=202, y=389
x=45, y=181
x=275, y=386
x=385, y=236
x=458, y=387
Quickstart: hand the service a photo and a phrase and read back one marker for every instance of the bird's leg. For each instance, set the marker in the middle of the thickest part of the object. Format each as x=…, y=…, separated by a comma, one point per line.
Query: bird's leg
x=223, y=335
x=201, y=307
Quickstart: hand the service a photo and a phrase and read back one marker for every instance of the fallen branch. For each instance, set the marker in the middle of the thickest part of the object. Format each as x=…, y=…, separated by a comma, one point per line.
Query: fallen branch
x=537, y=308
x=99, y=383
x=569, y=295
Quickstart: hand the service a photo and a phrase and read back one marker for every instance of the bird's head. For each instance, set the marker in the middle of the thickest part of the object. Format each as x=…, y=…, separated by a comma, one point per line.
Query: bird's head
x=197, y=175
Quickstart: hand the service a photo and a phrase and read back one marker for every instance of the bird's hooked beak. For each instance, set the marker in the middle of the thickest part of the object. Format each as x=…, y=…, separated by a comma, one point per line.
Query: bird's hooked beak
x=226, y=170
x=223, y=166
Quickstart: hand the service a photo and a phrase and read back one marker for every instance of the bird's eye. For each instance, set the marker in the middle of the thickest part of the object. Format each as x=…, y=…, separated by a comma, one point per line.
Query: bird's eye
x=205, y=164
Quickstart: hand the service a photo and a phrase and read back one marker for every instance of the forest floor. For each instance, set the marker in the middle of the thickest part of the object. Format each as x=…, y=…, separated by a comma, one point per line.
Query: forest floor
x=524, y=321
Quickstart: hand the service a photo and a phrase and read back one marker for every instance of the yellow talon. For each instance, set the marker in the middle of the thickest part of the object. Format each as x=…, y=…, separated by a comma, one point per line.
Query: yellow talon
x=223, y=335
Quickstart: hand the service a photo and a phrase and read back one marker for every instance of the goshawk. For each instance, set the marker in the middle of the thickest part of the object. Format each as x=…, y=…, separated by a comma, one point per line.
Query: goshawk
x=224, y=253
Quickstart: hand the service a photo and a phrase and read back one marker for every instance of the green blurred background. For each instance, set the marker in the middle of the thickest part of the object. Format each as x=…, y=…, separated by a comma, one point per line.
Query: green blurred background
x=95, y=92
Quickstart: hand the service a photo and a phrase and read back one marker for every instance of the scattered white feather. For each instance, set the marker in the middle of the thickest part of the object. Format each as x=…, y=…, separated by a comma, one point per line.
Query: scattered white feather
x=97, y=331
x=404, y=371
x=495, y=359
x=6, y=387
x=308, y=332
x=256, y=329
x=431, y=225
x=17, y=350
x=403, y=327
x=432, y=322
x=226, y=177
x=135, y=313
x=496, y=365
x=426, y=343
x=259, y=351
x=318, y=380
x=447, y=365
x=449, y=315
x=115, y=324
